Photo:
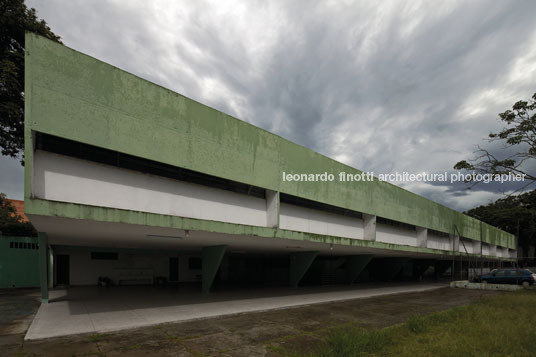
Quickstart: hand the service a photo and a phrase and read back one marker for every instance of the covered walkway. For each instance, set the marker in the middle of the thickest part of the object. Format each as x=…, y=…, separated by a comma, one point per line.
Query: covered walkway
x=79, y=310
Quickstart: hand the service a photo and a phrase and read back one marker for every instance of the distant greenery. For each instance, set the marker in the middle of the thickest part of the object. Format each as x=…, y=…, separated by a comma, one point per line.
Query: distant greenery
x=514, y=214
x=501, y=325
x=11, y=224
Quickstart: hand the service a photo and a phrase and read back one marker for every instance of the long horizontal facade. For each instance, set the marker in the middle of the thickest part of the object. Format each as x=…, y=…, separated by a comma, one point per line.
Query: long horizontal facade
x=117, y=164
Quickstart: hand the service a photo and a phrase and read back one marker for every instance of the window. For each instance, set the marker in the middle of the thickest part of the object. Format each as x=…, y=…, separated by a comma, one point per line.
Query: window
x=194, y=263
x=501, y=273
x=104, y=255
x=108, y=157
x=23, y=245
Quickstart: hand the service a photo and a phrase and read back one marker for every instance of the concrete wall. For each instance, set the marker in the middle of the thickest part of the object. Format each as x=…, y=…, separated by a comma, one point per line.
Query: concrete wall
x=303, y=219
x=66, y=179
x=438, y=242
x=74, y=96
x=485, y=249
x=468, y=245
x=86, y=271
x=395, y=234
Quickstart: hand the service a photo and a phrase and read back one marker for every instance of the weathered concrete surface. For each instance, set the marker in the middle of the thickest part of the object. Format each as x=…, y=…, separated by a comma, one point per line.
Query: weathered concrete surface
x=97, y=310
x=464, y=284
x=66, y=90
x=253, y=334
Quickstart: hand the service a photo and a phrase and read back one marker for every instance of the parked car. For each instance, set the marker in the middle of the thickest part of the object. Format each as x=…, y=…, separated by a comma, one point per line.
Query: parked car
x=508, y=276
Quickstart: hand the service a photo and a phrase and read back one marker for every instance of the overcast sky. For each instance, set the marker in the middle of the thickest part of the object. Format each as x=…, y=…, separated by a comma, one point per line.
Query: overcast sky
x=382, y=86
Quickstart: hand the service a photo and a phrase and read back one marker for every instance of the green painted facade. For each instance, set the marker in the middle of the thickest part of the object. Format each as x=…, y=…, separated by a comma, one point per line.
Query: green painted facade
x=18, y=262
x=74, y=96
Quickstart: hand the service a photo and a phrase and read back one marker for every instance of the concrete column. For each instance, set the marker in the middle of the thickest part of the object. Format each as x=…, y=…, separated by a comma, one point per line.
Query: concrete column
x=50, y=267
x=212, y=257
x=455, y=243
x=422, y=237
x=42, y=240
x=355, y=265
x=299, y=264
x=369, y=227
x=272, y=209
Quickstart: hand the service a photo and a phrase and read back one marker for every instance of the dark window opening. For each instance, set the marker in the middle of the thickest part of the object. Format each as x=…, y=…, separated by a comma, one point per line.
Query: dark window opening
x=398, y=224
x=23, y=245
x=113, y=158
x=438, y=233
x=302, y=202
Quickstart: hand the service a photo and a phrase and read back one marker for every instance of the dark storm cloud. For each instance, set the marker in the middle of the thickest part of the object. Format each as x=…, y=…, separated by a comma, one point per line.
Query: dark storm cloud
x=390, y=86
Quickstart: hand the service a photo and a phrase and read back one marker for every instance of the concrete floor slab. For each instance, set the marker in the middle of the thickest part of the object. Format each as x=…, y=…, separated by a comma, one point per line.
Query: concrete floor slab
x=96, y=309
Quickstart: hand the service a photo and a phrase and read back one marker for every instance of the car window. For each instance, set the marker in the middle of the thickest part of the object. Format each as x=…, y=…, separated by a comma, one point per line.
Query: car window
x=500, y=273
x=513, y=273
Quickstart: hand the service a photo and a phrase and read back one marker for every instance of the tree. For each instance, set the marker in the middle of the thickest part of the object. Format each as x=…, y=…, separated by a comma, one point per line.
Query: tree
x=514, y=214
x=15, y=20
x=11, y=224
x=519, y=137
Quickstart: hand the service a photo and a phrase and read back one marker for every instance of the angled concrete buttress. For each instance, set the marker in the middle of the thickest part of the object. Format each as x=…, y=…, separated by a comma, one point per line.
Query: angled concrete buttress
x=212, y=257
x=299, y=264
x=386, y=269
x=355, y=265
x=42, y=239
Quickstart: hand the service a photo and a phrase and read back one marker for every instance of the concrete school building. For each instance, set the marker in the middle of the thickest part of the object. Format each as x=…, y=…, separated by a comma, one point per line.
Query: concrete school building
x=127, y=180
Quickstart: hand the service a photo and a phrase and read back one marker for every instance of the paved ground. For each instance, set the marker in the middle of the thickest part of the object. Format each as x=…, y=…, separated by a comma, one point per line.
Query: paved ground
x=17, y=309
x=251, y=334
x=97, y=309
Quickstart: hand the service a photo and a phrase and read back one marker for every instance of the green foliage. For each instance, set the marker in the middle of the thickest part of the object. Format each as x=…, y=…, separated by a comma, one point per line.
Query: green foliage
x=501, y=325
x=15, y=20
x=519, y=140
x=353, y=341
x=514, y=214
x=416, y=324
x=11, y=224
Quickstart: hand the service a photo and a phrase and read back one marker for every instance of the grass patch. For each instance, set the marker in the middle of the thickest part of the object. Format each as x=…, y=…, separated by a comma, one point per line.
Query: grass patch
x=352, y=341
x=501, y=325
x=97, y=337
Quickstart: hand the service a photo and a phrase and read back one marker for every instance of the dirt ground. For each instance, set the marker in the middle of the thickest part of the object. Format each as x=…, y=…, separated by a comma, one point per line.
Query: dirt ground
x=17, y=309
x=252, y=334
